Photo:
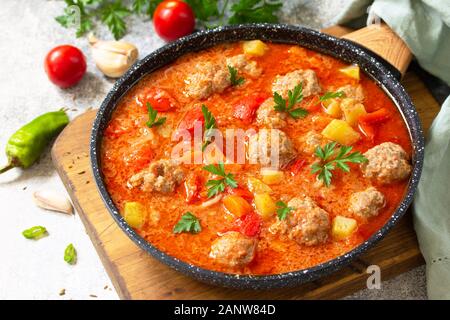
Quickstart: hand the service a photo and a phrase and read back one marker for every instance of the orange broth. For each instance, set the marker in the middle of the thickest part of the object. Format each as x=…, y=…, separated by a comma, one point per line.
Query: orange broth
x=274, y=254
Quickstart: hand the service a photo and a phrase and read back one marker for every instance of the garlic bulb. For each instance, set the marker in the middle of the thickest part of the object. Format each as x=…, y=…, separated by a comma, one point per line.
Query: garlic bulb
x=53, y=201
x=113, y=58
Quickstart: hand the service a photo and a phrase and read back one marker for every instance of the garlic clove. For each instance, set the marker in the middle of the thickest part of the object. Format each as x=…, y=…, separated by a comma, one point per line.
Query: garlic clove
x=113, y=58
x=54, y=201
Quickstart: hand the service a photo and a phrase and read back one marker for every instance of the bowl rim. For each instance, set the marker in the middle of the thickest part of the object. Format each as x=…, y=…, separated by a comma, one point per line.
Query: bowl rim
x=386, y=78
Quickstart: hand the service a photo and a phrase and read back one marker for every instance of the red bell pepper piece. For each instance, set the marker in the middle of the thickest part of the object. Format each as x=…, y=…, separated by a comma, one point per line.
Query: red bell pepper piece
x=245, y=110
x=159, y=99
x=378, y=116
x=242, y=192
x=296, y=166
x=249, y=224
x=192, y=187
x=190, y=118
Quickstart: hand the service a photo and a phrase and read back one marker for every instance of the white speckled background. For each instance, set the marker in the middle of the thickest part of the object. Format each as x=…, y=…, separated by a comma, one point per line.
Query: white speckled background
x=36, y=269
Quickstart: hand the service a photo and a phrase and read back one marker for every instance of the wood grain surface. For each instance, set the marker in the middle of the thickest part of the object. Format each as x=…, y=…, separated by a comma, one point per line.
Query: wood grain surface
x=136, y=275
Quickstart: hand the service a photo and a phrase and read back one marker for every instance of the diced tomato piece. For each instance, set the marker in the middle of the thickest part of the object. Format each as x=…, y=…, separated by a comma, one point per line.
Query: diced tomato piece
x=246, y=108
x=249, y=224
x=367, y=130
x=140, y=157
x=242, y=192
x=378, y=116
x=159, y=99
x=296, y=166
x=192, y=187
x=190, y=118
x=311, y=103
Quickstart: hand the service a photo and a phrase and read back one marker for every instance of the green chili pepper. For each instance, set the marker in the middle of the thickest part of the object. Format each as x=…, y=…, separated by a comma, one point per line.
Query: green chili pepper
x=26, y=145
x=36, y=232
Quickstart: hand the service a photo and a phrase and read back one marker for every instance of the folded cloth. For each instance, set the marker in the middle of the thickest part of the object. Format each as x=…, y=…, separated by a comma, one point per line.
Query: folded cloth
x=425, y=27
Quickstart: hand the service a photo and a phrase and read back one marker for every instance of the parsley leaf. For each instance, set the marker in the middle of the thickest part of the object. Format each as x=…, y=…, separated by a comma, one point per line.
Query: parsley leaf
x=294, y=96
x=113, y=15
x=210, y=124
x=188, y=223
x=75, y=15
x=235, y=81
x=327, y=164
x=152, y=121
x=332, y=95
x=245, y=11
x=283, y=210
x=204, y=10
x=218, y=185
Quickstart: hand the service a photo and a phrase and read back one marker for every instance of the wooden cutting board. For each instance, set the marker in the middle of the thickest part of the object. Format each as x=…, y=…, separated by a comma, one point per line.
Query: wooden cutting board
x=136, y=275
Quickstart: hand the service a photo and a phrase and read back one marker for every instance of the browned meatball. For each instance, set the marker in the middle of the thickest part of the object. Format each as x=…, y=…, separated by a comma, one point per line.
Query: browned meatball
x=367, y=203
x=354, y=92
x=268, y=117
x=161, y=176
x=289, y=81
x=244, y=65
x=209, y=78
x=388, y=162
x=271, y=148
x=233, y=249
x=307, y=224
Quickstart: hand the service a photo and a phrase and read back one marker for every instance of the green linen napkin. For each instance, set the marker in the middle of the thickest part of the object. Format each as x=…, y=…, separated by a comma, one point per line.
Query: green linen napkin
x=425, y=26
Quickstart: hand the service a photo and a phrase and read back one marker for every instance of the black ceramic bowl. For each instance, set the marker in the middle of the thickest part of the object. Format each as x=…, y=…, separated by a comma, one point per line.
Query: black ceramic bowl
x=374, y=66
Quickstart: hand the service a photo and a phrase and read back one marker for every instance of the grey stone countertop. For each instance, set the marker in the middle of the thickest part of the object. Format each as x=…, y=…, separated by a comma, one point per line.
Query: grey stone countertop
x=36, y=269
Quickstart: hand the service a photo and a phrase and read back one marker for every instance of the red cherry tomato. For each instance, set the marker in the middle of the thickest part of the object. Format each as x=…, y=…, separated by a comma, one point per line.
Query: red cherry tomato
x=65, y=66
x=159, y=99
x=246, y=109
x=190, y=118
x=173, y=19
x=249, y=224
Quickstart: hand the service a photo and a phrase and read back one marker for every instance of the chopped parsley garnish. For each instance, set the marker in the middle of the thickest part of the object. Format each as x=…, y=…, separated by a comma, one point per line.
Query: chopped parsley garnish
x=188, y=223
x=283, y=210
x=294, y=96
x=218, y=186
x=234, y=79
x=332, y=95
x=152, y=121
x=210, y=124
x=332, y=158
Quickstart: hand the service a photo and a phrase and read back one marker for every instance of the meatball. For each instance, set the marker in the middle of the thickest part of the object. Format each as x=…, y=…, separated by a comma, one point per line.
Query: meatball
x=353, y=92
x=367, y=203
x=244, y=65
x=387, y=162
x=289, y=81
x=209, y=78
x=233, y=249
x=161, y=176
x=311, y=141
x=267, y=116
x=271, y=148
x=307, y=224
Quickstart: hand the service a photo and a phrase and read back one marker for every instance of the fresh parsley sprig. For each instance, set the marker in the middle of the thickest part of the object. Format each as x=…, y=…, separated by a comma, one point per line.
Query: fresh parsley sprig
x=218, y=186
x=283, y=210
x=332, y=95
x=294, y=96
x=152, y=121
x=210, y=124
x=234, y=79
x=188, y=223
x=207, y=12
x=331, y=158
